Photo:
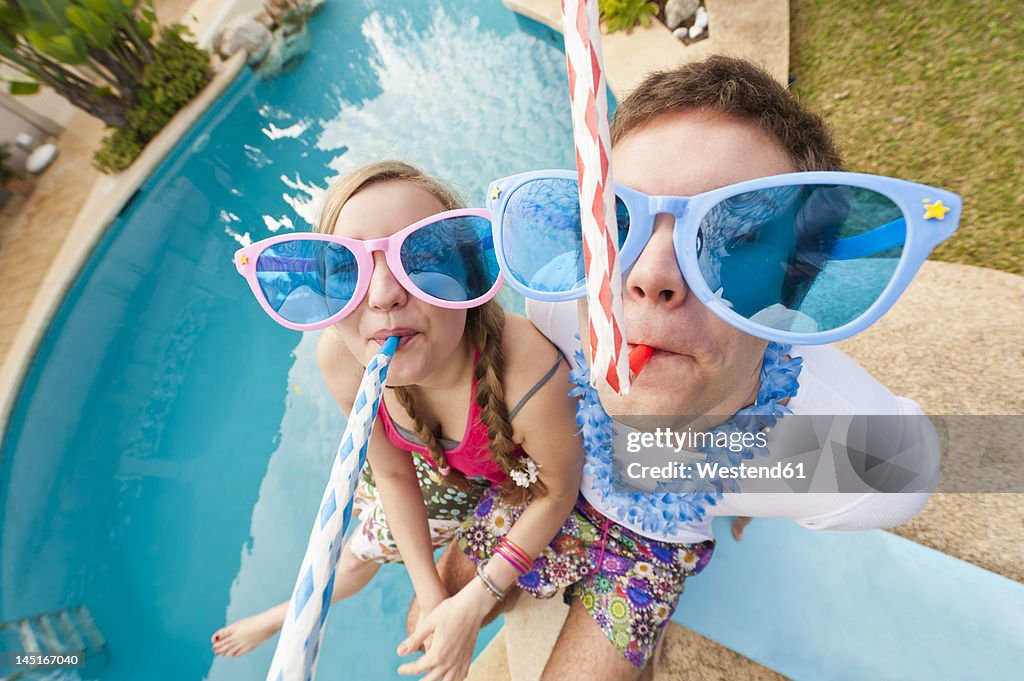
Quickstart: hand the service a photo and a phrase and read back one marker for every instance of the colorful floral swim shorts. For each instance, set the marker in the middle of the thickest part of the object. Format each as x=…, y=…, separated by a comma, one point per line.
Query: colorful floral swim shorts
x=628, y=583
x=447, y=509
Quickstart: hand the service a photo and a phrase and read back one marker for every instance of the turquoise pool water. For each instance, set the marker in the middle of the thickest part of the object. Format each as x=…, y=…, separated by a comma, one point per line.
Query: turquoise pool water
x=170, y=445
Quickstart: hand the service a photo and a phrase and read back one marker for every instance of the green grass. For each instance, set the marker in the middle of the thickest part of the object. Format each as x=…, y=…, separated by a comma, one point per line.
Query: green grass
x=931, y=92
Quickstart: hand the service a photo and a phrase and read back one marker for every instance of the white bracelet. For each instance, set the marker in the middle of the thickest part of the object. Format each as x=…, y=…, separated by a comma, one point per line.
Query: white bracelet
x=491, y=586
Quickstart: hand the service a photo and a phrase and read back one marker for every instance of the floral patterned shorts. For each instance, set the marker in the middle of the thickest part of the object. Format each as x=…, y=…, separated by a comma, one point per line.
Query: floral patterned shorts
x=447, y=509
x=628, y=583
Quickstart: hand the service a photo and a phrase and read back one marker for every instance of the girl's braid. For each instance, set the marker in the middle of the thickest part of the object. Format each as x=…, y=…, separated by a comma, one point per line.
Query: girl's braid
x=427, y=437
x=485, y=326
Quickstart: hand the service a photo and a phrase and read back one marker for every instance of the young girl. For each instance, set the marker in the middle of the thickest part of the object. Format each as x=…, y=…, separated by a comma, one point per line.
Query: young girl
x=476, y=397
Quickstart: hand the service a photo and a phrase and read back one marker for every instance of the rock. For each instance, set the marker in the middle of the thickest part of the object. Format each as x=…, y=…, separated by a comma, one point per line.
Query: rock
x=296, y=12
x=272, y=63
x=275, y=37
x=701, y=18
x=264, y=18
x=40, y=158
x=678, y=11
x=286, y=50
x=276, y=9
x=696, y=32
x=243, y=33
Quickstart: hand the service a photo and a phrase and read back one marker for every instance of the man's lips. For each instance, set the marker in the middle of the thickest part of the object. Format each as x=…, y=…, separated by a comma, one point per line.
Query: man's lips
x=666, y=343
x=651, y=349
x=641, y=354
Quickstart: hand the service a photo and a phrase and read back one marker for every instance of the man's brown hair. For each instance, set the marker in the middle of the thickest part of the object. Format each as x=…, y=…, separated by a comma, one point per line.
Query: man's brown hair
x=738, y=88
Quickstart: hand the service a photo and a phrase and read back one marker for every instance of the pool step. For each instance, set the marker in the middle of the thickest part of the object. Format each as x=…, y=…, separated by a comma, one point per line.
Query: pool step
x=69, y=630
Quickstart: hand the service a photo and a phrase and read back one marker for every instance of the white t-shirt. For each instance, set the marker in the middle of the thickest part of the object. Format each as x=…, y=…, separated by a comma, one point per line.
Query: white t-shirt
x=831, y=384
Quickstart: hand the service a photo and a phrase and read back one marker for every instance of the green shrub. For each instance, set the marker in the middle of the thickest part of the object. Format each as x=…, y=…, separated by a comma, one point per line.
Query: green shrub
x=118, y=150
x=178, y=72
x=624, y=15
x=146, y=121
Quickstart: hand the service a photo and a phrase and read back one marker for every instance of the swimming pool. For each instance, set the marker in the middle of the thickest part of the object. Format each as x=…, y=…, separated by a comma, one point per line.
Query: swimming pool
x=170, y=444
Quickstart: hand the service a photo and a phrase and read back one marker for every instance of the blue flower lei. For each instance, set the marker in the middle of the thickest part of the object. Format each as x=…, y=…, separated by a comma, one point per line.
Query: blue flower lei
x=666, y=507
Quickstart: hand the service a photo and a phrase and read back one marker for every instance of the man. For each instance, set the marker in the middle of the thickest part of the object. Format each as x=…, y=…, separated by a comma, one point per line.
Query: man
x=679, y=134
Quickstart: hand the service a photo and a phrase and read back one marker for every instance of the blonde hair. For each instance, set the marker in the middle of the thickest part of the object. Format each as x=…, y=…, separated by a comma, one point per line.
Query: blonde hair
x=484, y=326
x=346, y=187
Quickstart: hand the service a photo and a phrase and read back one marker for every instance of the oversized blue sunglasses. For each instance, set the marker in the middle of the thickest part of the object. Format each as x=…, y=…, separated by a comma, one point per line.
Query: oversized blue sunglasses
x=804, y=258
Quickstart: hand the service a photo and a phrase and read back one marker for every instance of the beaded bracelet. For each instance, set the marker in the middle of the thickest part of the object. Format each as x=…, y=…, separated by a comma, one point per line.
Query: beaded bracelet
x=491, y=586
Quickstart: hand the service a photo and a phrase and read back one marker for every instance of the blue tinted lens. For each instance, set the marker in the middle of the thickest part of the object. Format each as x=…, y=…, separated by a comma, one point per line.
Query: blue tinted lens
x=801, y=258
x=452, y=259
x=307, y=281
x=542, y=237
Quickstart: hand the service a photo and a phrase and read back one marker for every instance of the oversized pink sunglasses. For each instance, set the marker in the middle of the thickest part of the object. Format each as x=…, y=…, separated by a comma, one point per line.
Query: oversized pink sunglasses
x=309, y=281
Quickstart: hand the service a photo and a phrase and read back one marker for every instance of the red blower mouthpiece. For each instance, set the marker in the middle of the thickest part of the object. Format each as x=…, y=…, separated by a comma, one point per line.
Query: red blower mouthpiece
x=639, y=356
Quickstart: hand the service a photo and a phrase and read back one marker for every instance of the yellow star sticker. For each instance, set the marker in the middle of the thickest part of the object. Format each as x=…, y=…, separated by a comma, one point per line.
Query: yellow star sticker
x=243, y=260
x=935, y=211
x=495, y=192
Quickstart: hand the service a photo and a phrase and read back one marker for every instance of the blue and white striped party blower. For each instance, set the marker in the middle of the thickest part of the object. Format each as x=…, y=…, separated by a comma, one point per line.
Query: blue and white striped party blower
x=298, y=647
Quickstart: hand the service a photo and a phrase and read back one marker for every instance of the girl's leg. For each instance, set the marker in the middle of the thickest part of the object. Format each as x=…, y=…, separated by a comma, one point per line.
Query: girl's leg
x=738, y=525
x=353, y=574
x=240, y=637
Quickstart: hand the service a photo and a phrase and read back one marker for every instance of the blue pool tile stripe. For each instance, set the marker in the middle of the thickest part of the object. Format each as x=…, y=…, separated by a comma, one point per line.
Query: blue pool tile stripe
x=851, y=606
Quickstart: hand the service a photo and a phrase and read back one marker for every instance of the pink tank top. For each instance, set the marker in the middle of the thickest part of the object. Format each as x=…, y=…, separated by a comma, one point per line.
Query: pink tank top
x=471, y=457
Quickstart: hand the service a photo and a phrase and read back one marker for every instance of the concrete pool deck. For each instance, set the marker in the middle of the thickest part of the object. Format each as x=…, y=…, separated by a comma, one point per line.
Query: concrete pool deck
x=945, y=314
x=757, y=30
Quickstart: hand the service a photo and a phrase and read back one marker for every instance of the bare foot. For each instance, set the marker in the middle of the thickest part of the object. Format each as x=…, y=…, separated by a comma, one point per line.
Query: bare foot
x=737, y=527
x=240, y=637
